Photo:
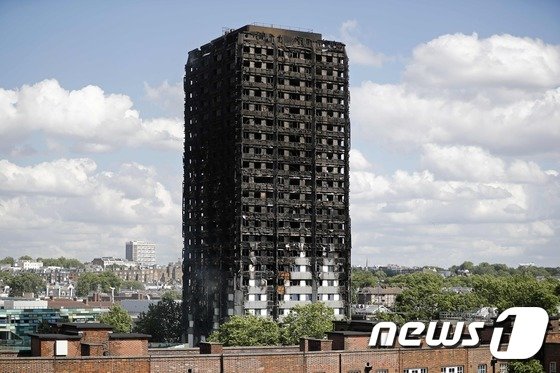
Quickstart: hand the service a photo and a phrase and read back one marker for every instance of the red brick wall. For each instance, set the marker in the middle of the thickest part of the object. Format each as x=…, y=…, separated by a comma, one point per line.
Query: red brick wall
x=95, y=335
x=349, y=342
x=46, y=348
x=379, y=359
x=477, y=356
x=321, y=362
x=27, y=365
x=269, y=363
x=102, y=365
x=243, y=360
x=181, y=363
x=174, y=351
x=128, y=347
x=75, y=365
x=433, y=358
x=260, y=349
x=356, y=342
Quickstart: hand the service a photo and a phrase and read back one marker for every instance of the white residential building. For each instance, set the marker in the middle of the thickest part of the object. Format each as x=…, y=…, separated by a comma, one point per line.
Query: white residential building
x=29, y=264
x=143, y=253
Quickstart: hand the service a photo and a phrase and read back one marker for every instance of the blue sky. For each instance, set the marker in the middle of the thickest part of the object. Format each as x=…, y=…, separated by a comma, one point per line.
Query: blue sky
x=455, y=116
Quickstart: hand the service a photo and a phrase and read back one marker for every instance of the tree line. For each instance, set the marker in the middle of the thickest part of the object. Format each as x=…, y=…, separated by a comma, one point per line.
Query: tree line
x=163, y=321
x=427, y=294
x=47, y=262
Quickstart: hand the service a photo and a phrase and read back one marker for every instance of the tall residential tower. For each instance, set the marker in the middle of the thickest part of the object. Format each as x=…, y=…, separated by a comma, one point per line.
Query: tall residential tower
x=266, y=220
x=144, y=253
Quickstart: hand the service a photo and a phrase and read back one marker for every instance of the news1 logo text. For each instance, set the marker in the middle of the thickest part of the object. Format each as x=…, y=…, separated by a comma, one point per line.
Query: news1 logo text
x=525, y=340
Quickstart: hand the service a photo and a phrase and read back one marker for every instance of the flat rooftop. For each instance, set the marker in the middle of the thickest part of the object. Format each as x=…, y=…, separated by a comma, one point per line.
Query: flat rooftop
x=280, y=30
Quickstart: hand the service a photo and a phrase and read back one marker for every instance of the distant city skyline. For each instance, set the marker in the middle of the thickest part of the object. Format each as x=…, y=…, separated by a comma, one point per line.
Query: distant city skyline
x=455, y=116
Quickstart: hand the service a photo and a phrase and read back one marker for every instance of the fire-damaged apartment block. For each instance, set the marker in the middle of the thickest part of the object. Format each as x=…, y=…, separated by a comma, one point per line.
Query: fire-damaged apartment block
x=266, y=220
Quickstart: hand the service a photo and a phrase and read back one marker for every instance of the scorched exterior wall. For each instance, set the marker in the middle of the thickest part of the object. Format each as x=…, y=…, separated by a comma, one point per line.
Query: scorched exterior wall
x=266, y=220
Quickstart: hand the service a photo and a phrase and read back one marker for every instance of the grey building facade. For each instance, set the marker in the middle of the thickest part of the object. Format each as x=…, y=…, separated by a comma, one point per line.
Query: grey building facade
x=266, y=222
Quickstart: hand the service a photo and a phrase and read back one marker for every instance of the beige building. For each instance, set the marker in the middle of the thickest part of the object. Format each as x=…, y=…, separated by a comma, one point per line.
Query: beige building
x=385, y=296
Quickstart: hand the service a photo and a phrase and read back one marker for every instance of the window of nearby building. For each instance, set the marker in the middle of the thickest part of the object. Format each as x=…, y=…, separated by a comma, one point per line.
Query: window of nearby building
x=382, y=371
x=481, y=368
x=552, y=367
x=503, y=368
x=457, y=369
x=416, y=370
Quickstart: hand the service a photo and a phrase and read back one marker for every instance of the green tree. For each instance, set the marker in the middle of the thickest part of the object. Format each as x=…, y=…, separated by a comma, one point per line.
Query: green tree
x=25, y=257
x=525, y=366
x=247, y=330
x=467, y=266
x=419, y=300
x=389, y=316
x=362, y=278
x=61, y=262
x=311, y=320
x=517, y=291
x=8, y=260
x=86, y=282
x=118, y=318
x=381, y=275
x=91, y=281
x=107, y=280
x=132, y=285
x=418, y=303
x=25, y=283
x=426, y=295
x=484, y=269
x=172, y=294
x=418, y=279
x=162, y=321
x=5, y=277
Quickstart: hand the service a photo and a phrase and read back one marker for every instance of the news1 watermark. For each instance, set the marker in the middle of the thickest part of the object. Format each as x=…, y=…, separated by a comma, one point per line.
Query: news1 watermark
x=526, y=338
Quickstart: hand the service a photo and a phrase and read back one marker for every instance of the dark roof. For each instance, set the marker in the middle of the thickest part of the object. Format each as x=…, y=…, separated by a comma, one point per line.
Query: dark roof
x=54, y=336
x=349, y=332
x=129, y=336
x=279, y=30
x=86, y=325
x=266, y=29
x=354, y=325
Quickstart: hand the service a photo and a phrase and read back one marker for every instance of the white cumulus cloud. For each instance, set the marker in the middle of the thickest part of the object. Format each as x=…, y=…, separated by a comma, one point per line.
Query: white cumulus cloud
x=70, y=207
x=506, y=211
x=467, y=61
x=90, y=119
x=168, y=96
x=402, y=117
x=471, y=163
x=359, y=53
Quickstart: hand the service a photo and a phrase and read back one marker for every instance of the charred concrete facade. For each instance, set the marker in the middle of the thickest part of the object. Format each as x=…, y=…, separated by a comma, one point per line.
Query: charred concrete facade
x=266, y=220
